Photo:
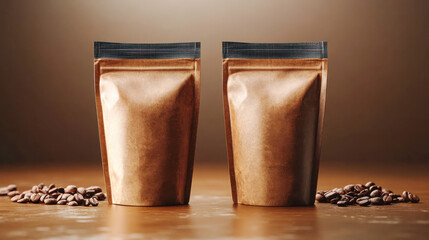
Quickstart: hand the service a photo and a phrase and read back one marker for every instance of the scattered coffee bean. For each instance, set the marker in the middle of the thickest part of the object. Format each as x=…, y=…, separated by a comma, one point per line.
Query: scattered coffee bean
x=351, y=194
x=35, y=198
x=93, y=201
x=364, y=202
x=12, y=193
x=70, y=195
x=15, y=198
x=81, y=190
x=23, y=200
x=50, y=201
x=70, y=189
x=73, y=203
x=413, y=198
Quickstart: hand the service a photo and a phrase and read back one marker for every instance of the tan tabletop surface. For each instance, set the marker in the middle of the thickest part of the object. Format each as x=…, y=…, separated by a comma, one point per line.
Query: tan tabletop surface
x=211, y=214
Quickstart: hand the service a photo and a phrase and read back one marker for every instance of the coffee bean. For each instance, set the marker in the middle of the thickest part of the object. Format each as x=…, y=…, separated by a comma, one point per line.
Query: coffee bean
x=70, y=198
x=86, y=203
x=102, y=196
x=369, y=184
x=373, y=187
x=376, y=200
x=364, y=202
x=89, y=193
x=319, y=197
x=387, y=199
x=73, y=203
x=45, y=189
x=383, y=190
x=51, y=186
x=81, y=190
x=331, y=195
x=405, y=196
x=65, y=196
x=60, y=189
x=53, y=190
x=3, y=191
x=12, y=193
x=50, y=201
x=359, y=187
x=35, y=198
x=334, y=200
x=413, y=198
x=70, y=189
x=11, y=187
x=15, y=198
x=78, y=198
x=339, y=191
x=41, y=185
x=43, y=197
x=97, y=189
x=62, y=202
x=349, y=188
x=60, y=197
x=35, y=189
x=353, y=200
x=93, y=201
x=362, y=193
x=375, y=193
x=342, y=203
x=23, y=200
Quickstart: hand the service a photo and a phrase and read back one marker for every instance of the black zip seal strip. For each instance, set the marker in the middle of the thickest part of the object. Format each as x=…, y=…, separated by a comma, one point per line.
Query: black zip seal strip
x=146, y=50
x=275, y=50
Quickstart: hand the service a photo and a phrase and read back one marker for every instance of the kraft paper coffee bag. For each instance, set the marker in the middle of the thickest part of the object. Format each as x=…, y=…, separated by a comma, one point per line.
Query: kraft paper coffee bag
x=147, y=102
x=274, y=101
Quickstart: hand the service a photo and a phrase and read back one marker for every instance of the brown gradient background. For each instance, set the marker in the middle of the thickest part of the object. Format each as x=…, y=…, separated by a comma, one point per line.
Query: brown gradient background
x=377, y=105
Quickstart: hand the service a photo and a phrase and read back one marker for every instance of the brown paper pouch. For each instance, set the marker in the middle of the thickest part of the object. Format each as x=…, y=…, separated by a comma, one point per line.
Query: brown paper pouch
x=147, y=99
x=274, y=101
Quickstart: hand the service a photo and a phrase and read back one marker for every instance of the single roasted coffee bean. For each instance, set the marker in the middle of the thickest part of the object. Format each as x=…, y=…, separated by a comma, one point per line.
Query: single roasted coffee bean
x=335, y=200
x=81, y=190
x=62, y=202
x=35, y=198
x=45, y=189
x=100, y=196
x=41, y=185
x=60, y=197
x=15, y=198
x=342, y=203
x=364, y=202
x=11, y=187
x=319, y=197
x=97, y=189
x=12, y=193
x=73, y=203
x=65, y=196
x=413, y=198
x=43, y=197
x=93, y=201
x=375, y=193
x=331, y=195
x=387, y=199
x=78, y=198
x=3, y=191
x=70, y=198
x=35, y=189
x=70, y=189
x=53, y=190
x=369, y=184
x=349, y=188
x=23, y=200
x=50, y=201
x=89, y=193
x=359, y=187
x=51, y=186
x=364, y=192
x=86, y=202
x=405, y=196
x=60, y=189
x=376, y=200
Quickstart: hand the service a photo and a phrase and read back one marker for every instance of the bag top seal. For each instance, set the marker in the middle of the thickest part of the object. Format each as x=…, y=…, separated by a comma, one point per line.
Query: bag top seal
x=146, y=50
x=275, y=50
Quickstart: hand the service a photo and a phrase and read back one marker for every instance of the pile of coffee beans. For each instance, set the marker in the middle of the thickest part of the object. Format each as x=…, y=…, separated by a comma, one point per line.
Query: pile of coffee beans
x=50, y=194
x=364, y=195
